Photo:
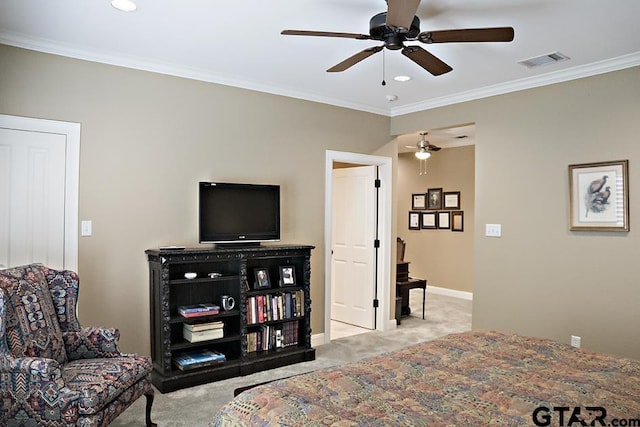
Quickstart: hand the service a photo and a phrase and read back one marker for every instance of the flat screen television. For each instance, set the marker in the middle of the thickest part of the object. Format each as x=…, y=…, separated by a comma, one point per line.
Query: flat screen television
x=238, y=213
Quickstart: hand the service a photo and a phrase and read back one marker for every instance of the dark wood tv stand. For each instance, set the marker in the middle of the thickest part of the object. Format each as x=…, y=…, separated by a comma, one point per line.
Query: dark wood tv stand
x=284, y=333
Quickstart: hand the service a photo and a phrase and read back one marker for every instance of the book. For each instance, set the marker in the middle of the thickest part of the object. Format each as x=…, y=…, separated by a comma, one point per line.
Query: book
x=197, y=359
x=198, y=308
x=199, y=314
x=209, y=334
x=197, y=327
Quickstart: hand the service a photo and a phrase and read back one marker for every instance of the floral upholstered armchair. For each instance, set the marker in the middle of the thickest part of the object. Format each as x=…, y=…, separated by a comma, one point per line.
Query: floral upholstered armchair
x=52, y=371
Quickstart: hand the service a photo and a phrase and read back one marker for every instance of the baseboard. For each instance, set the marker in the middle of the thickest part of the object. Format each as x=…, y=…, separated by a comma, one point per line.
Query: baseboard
x=317, y=339
x=450, y=292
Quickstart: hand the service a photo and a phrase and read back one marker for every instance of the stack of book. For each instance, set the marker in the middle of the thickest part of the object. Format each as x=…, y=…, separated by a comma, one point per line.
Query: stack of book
x=203, y=331
x=267, y=308
x=198, y=359
x=198, y=310
x=271, y=337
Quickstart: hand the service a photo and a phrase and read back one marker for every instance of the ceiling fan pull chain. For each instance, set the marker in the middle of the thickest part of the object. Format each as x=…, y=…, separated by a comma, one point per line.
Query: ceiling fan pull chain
x=423, y=166
x=384, y=83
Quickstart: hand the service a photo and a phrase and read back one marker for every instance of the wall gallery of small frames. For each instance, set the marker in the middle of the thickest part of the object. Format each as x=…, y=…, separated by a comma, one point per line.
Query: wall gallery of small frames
x=436, y=210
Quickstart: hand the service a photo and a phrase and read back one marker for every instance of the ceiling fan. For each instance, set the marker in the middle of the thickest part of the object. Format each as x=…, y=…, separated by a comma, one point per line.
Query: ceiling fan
x=424, y=147
x=399, y=24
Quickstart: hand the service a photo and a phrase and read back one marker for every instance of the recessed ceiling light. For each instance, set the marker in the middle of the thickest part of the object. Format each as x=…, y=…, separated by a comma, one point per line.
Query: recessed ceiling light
x=402, y=78
x=124, y=5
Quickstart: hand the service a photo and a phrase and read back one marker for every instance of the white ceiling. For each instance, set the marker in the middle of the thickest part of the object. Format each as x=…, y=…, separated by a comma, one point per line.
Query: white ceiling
x=238, y=43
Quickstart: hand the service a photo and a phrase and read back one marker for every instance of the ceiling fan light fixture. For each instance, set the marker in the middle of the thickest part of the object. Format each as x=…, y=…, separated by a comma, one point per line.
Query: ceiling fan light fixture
x=124, y=5
x=423, y=154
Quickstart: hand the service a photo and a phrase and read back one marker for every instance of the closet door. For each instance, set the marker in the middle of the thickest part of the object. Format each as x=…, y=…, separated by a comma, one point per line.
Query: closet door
x=34, y=193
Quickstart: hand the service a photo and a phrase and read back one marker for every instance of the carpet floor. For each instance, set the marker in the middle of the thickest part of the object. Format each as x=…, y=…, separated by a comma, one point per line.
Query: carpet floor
x=195, y=406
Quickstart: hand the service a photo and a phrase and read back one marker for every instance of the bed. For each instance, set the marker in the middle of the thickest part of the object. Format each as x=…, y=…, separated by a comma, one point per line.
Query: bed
x=471, y=378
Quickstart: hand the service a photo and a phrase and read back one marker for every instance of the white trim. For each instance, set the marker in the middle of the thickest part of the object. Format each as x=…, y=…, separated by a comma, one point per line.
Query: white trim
x=145, y=64
x=573, y=73
x=450, y=292
x=318, y=339
x=71, y=132
x=383, y=322
x=41, y=45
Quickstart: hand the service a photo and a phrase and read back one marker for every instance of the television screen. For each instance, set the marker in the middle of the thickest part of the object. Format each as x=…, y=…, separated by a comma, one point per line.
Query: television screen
x=235, y=213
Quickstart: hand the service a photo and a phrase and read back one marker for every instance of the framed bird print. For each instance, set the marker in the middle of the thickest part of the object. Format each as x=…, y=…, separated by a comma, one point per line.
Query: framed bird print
x=599, y=196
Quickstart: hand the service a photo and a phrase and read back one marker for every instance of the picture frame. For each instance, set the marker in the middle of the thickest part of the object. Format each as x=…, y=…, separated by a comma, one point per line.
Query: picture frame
x=434, y=198
x=457, y=221
x=418, y=201
x=451, y=200
x=262, y=278
x=599, y=196
x=444, y=220
x=287, y=275
x=414, y=220
x=429, y=220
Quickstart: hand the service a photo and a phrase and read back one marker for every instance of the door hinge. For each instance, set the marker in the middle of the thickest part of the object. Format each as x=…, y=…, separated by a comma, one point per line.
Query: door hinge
x=376, y=303
x=376, y=183
x=376, y=243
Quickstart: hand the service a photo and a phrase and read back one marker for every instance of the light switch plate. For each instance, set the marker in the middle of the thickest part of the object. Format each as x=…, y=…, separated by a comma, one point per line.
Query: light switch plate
x=85, y=228
x=493, y=230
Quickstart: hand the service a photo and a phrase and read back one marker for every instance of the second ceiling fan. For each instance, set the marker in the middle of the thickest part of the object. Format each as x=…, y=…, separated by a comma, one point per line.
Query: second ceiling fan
x=398, y=25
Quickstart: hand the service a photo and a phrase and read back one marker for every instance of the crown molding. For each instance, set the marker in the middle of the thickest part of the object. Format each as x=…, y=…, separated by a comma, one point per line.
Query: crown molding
x=568, y=74
x=21, y=41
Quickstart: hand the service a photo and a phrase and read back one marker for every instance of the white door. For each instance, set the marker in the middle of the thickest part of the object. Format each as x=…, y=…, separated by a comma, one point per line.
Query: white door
x=34, y=213
x=353, y=235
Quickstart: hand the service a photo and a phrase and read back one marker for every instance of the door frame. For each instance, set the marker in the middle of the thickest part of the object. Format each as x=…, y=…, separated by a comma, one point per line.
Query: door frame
x=385, y=167
x=71, y=132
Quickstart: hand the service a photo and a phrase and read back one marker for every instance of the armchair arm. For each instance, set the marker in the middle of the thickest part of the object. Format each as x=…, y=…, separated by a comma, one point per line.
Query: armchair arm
x=91, y=343
x=45, y=369
x=33, y=386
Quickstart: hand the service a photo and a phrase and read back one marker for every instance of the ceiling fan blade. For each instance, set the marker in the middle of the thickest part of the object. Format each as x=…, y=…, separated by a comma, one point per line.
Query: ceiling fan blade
x=498, y=34
x=325, y=34
x=353, y=60
x=426, y=60
x=432, y=147
x=400, y=14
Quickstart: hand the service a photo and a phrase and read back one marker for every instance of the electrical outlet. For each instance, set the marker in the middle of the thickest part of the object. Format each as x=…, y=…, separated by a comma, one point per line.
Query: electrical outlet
x=576, y=341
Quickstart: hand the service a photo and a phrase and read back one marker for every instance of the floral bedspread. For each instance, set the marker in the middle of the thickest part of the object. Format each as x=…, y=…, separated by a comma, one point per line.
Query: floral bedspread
x=467, y=379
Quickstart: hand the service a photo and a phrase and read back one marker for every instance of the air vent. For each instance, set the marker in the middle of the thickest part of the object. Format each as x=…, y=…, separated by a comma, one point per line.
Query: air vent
x=550, y=58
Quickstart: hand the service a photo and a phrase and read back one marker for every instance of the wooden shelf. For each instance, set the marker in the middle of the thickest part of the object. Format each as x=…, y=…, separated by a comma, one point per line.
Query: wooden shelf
x=168, y=290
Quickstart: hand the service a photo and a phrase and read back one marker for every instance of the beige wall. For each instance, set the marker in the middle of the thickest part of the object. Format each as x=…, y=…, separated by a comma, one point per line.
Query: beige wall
x=540, y=278
x=147, y=139
x=443, y=257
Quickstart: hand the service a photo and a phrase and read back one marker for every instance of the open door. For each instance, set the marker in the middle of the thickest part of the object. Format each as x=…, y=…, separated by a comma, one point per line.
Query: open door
x=353, y=279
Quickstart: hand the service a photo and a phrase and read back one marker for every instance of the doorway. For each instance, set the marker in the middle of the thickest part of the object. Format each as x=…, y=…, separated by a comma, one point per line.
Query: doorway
x=383, y=258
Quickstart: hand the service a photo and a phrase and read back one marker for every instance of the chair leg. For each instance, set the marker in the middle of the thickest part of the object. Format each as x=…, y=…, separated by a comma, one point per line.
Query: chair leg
x=149, y=397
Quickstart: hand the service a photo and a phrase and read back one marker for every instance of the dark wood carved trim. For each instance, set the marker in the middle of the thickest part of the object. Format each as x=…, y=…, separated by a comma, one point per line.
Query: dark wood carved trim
x=237, y=264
